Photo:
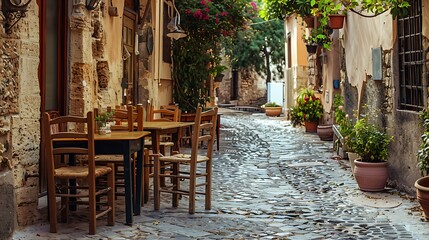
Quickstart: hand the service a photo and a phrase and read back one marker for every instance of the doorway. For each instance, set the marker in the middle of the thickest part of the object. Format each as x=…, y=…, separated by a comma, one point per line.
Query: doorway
x=53, y=49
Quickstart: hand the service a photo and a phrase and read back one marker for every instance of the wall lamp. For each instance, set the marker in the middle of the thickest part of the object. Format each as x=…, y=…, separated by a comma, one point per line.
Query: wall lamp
x=13, y=11
x=92, y=4
x=175, y=31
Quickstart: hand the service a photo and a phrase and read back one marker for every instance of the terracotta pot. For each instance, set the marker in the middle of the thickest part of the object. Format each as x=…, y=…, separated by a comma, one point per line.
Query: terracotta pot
x=352, y=157
x=310, y=126
x=325, y=132
x=273, y=111
x=422, y=192
x=371, y=176
x=336, y=21
x=309, y=21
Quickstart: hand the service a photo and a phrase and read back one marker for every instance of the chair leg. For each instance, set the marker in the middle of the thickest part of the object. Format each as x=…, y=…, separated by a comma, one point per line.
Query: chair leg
x=192, y=188
x=52, y=208
x=111, y=196
x=146, y=169
x=208, y=193
x=156, y=183
x=162, y=180
x=92, y=207
x=176, y=183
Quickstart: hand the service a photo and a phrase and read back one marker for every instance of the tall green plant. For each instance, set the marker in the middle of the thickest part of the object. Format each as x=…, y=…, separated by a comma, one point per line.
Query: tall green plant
x=369, y=142
x=423, y=152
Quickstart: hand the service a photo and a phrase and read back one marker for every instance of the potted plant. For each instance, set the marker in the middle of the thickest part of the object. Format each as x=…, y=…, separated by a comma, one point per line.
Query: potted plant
x=371, y=144
x=307, y=111
x=272, y=109
x=102, y=120
x=318, y=37
x=422, y=184
x=344, y=126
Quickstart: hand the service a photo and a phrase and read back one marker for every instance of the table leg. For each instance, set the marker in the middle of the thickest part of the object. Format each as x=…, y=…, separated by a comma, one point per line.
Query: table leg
x=128, y=188
x=139, y=166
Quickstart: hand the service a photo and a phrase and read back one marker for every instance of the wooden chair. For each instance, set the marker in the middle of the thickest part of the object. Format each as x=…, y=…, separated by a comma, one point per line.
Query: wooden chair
x=202, y=132
x=62, y=180
x=123, y=118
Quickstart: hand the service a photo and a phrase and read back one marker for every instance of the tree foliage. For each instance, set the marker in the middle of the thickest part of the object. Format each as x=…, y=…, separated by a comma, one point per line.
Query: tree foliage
x=260, y=43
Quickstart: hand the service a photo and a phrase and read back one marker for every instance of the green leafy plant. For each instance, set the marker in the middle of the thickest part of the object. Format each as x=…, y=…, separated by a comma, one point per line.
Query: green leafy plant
x=104, y=117
x=324, y=8
x=370, y=142
x=271, y=104
x=319, y=36
x=308, y=107
x=197, y=57
x=423, y=152
x=343, y=120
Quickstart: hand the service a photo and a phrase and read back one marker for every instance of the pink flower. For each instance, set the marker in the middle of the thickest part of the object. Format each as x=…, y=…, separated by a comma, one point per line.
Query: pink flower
x=206, y=17
x=206, y=9
x=198, y=14
x=340, y=107
x=224, y=14
x=203, y=2
x=217, y=20
x=187, y=11
x=254, y=6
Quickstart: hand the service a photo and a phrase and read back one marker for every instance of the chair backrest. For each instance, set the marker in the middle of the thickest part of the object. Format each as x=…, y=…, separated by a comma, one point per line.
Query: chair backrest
x=124, y=118
x=162, y=115
x=79, y=129
x=204, y=130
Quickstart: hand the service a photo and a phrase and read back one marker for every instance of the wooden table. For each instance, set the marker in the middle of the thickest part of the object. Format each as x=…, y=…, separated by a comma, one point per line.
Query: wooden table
x=157, y=129
x=122, y=143
x=190, y=117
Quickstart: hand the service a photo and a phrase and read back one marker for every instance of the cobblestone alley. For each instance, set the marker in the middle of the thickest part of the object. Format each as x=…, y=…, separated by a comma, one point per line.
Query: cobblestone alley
x=270, y=181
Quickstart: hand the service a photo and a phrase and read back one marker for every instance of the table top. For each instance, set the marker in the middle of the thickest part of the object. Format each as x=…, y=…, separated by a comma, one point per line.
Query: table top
x=165, y=125
x=114, y=135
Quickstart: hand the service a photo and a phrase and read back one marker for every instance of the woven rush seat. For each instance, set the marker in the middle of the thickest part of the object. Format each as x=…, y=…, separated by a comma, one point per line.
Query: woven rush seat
x=165, y=144
x=80, y=171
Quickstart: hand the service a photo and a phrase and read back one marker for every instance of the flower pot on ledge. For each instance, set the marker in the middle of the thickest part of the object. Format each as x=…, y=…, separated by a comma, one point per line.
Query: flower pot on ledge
x=273, y=111
x=310, y=127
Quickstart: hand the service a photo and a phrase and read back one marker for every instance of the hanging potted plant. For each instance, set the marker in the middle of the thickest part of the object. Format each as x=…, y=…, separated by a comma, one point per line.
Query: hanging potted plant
x=307, y=111
x=422, y=184
x=371, y=144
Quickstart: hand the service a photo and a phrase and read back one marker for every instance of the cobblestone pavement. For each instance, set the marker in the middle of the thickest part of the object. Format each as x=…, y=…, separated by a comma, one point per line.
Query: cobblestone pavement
x=270, y=181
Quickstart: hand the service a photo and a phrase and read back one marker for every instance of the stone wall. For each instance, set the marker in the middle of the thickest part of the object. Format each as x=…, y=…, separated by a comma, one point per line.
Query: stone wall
x=19, y=123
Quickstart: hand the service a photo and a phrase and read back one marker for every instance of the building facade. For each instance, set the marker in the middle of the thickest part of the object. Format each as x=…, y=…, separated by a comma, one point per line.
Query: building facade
x=63, y=57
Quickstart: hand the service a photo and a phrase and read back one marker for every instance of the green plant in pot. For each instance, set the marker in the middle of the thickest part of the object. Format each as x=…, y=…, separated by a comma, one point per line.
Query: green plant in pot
x=372, y=145
x=308, y=110
x=272, y=109
x=422, y=184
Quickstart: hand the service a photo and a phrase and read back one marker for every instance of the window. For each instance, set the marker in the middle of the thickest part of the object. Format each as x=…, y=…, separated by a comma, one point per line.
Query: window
x=411, y=59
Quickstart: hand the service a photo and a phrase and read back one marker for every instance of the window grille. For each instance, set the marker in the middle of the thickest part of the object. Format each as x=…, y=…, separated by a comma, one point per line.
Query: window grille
x=411, y=59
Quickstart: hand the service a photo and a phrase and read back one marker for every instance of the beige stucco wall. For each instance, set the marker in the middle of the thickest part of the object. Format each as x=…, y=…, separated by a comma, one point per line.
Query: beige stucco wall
x=296, y=77
x=358, y=37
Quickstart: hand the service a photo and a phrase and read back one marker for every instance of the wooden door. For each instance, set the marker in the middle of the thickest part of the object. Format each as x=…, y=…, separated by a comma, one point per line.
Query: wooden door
x=129, y=83
x=53, y=30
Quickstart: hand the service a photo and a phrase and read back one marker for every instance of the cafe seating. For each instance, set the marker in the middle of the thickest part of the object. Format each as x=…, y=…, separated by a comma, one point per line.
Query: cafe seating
x=123, y=118
x=200, y=158
x=76, y=183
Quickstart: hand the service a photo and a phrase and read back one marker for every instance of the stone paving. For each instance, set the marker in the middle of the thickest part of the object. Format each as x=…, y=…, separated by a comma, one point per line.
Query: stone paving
x=270, y=181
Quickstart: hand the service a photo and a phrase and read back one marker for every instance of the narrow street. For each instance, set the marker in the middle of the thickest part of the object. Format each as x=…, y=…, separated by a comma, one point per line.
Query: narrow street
x=270, y=181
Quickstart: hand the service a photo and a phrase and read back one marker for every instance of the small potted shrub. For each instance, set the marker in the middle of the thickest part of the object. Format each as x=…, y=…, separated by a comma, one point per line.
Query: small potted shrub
x=371, y=144
x=307, y=111
x=422, y=184
x=272, y=109
x=102, y=120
